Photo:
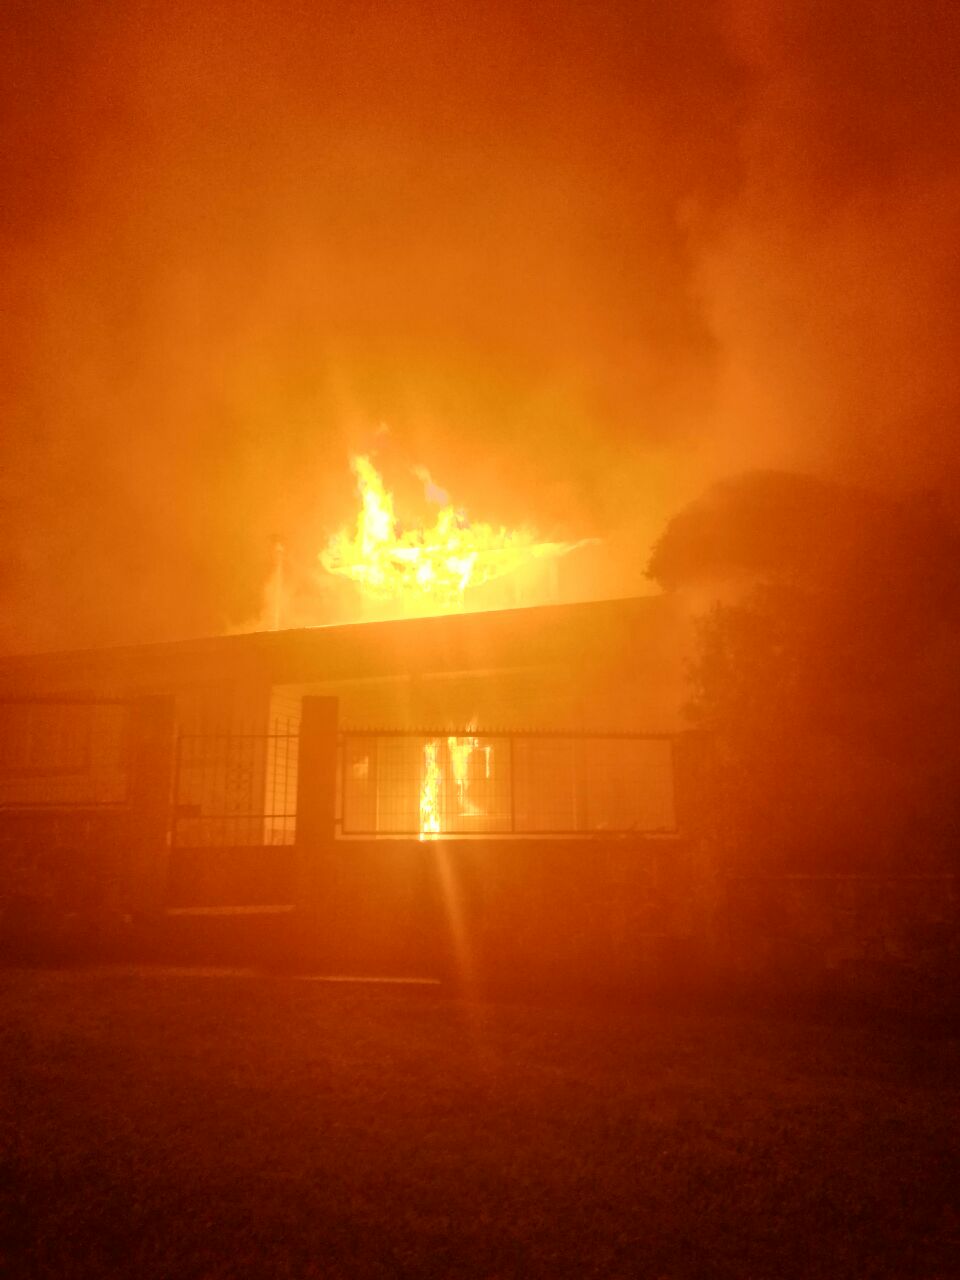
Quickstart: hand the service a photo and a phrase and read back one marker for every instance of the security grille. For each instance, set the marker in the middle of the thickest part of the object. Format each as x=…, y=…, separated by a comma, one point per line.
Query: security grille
x=235, y=790
x=66, y=753
x=439, y=783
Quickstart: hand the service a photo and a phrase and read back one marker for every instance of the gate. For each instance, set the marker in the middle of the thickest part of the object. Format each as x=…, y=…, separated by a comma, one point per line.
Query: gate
x=233, y=825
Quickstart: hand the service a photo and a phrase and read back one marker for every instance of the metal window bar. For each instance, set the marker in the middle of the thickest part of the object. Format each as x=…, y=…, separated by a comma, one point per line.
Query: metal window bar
x=234, y=790
x=64, y=753
x=467, y=782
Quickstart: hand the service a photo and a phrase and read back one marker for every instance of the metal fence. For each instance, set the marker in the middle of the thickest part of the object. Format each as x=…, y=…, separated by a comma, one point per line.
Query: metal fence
x=63, y=753
x=240, y=790
x=234, y=790
x=437, y=783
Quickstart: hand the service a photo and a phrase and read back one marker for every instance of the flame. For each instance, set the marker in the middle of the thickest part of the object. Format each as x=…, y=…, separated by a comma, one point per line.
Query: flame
x=430, y=791
x=459, y=752
x=425, y=568
x=460, y=749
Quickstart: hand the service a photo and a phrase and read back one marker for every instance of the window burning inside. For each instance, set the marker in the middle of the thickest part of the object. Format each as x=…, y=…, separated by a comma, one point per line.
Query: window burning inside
x=466, y=783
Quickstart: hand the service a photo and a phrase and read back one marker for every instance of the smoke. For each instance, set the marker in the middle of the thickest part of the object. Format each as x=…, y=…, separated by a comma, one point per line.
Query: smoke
x=829, y=281
x=581, y=259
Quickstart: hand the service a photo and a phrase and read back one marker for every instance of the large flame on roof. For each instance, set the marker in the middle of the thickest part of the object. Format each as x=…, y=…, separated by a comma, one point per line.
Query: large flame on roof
x=425, y=568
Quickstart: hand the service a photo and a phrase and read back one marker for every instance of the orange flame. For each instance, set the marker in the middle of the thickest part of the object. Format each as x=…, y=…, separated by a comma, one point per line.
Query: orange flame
x=425, y=568
x=461, y=750
x=457, y=802
x=430, y=792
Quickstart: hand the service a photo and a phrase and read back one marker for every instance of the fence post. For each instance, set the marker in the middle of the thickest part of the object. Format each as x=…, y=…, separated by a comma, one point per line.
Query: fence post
x=152, y=740
x=316, y=814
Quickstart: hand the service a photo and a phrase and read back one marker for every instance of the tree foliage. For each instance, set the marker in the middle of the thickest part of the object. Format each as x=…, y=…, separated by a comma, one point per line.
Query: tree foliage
x=828, y=681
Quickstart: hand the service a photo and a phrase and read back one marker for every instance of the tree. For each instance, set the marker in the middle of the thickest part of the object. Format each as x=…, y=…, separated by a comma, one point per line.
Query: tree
x=826, y=672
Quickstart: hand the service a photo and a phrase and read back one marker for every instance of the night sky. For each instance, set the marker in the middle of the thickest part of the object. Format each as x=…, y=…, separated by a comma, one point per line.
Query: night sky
x=579, y=260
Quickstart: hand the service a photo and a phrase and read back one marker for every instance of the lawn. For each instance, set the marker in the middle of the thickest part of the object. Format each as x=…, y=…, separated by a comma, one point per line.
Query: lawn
x=163, y=1124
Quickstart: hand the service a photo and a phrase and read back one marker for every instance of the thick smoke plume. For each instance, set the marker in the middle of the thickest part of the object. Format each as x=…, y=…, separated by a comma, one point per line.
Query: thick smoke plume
x=583, y=260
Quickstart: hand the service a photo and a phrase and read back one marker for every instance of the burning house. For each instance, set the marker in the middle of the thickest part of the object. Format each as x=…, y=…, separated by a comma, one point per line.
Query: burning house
x=507, y=739
x=386, y=784
x=604, y=668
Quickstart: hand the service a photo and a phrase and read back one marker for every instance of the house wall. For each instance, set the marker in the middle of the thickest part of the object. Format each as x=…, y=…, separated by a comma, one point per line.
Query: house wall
x=510, y=913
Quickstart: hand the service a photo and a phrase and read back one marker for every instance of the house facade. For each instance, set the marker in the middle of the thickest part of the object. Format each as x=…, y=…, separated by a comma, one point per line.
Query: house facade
x=488, y=791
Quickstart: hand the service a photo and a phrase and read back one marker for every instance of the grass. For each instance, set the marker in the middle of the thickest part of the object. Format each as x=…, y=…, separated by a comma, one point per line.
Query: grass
x=169, y=1125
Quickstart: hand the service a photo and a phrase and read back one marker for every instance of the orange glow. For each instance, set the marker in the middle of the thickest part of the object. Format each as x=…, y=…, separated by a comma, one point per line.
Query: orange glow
x=430, y=792
x=460, y=751
x=427, y=570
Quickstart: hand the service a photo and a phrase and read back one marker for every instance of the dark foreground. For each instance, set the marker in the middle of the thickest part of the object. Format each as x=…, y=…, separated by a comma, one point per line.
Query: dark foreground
x=173, y=1125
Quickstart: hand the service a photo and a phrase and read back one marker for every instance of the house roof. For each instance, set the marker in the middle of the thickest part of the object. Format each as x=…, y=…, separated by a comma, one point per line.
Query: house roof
x=596, y=632
x=638, y=638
